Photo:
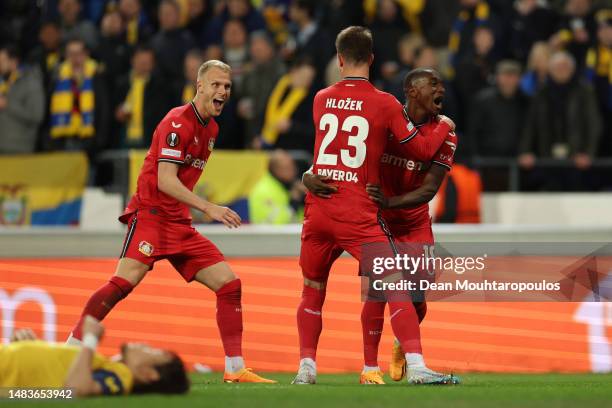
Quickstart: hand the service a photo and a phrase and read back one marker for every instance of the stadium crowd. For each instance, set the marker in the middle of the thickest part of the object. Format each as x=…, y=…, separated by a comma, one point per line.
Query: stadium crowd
x=528, y=82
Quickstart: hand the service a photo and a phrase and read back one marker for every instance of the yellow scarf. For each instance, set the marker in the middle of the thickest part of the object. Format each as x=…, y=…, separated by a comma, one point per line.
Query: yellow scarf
x=132, y=31
x=5, y=86
x=52, y=60
x=278, y=109
x=481, y=15
x=188, y=93
x=134, y=101
x=65, y=122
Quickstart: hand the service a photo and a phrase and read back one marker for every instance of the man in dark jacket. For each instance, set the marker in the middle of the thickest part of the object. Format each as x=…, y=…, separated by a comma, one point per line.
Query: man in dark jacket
x=496, y=121
x=142, y=99
x=171, y=43
x=563, y=121
x=497, y=115
x=259, y=81
x=22, y=104
x=310, y=41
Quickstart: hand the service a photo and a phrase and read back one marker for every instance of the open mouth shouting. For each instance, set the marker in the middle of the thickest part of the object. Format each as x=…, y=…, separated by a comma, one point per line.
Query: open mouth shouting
x=218, y=103
x=437, y=102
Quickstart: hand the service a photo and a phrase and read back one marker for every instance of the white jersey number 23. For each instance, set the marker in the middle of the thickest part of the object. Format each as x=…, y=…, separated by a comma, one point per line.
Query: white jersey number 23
x=329, y=122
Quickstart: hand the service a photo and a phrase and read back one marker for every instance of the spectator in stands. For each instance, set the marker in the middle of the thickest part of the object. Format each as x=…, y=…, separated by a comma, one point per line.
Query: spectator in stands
x=498, y=114
x=137, y=28
x=437, y=19
x=22, y=104
x=536, y=74
x=200, y=13
x=496, y=120
x=387, y=29
x=47, y=55
x=577, y=30
x=278, y=197
x=475, y=71
x=142, y=100
x=276, y=15
x=472, y=15
x=310, y=41
x=234, y=10
x=340, y=14
x=258, y=82
x=599, y=73
x=235, y=49
x=186, y=89
x=73, y=27
x=563, y=121
x=407, y=48
x=531, y=23
x=114, y=53
x=79, y=105
x=171, y=43
x=236, y=54
x=288, y=118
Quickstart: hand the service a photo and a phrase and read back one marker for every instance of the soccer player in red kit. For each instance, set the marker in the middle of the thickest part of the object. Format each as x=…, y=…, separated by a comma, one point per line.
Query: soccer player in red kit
x=353, y=121
x=159, y=221
x=410, y=184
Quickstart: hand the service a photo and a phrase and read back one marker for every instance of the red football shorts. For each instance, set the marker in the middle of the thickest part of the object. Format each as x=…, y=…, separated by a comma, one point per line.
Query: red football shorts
x=324, y=240
x=151, y=238
x=419, y=233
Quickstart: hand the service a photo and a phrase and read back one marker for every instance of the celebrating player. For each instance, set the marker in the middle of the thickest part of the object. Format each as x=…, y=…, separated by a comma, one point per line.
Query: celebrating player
x=30, y=363
x=160, y=223
x=410, y=184
x=353, y=121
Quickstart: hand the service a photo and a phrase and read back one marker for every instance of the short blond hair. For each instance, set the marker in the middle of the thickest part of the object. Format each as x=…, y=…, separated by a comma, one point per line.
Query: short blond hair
x=213, y=64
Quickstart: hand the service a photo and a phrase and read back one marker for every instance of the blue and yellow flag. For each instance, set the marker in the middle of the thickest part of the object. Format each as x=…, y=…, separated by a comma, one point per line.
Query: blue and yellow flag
x=42, y=189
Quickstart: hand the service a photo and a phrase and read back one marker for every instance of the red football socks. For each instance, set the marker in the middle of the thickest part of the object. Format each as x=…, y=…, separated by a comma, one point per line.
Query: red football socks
x=102, y=301
x=229, y=317
x=372, y=320
x=309, y=321
x=405, y=324
x=421, y=310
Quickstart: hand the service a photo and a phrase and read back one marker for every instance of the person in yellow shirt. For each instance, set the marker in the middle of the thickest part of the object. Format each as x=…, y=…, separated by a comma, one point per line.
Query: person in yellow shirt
x=31, y=363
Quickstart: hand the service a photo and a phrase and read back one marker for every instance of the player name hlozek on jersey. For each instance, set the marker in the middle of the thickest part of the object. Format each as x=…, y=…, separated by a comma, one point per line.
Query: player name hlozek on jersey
x=346, y=104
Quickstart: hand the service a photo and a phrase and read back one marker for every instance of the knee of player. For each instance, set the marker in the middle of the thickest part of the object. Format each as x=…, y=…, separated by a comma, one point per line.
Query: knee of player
x=315, y=284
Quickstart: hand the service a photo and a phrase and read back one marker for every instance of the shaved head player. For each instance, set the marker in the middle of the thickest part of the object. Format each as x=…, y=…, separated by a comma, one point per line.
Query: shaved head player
x=159, y=222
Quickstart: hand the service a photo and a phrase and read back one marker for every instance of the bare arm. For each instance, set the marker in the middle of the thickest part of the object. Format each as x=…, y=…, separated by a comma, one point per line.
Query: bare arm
x=422, y=195
x=80, y=375
x=169, y=183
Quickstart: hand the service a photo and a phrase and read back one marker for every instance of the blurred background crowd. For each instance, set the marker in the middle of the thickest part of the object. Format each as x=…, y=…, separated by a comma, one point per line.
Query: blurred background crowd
x=528, y=82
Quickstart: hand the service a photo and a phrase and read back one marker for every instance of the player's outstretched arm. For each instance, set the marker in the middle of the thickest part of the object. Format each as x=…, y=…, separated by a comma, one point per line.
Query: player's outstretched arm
x=422, y=195
x=424, y=148
x=80, y=376
x=169, y=183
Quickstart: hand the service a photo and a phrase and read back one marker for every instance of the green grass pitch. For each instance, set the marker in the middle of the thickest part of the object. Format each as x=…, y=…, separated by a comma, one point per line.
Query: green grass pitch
x=477, y=390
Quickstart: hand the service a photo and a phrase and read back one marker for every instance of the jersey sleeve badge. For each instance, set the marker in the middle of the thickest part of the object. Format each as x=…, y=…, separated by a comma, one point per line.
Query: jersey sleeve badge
x=173, y=139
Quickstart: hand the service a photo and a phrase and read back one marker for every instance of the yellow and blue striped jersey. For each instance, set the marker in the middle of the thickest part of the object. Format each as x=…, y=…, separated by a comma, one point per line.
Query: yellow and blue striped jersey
x=38, y=364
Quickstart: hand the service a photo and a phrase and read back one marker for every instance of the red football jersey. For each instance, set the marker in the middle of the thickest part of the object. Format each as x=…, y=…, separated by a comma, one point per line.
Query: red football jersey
x=353, y=121
x=182, y=137
x=402, y=173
